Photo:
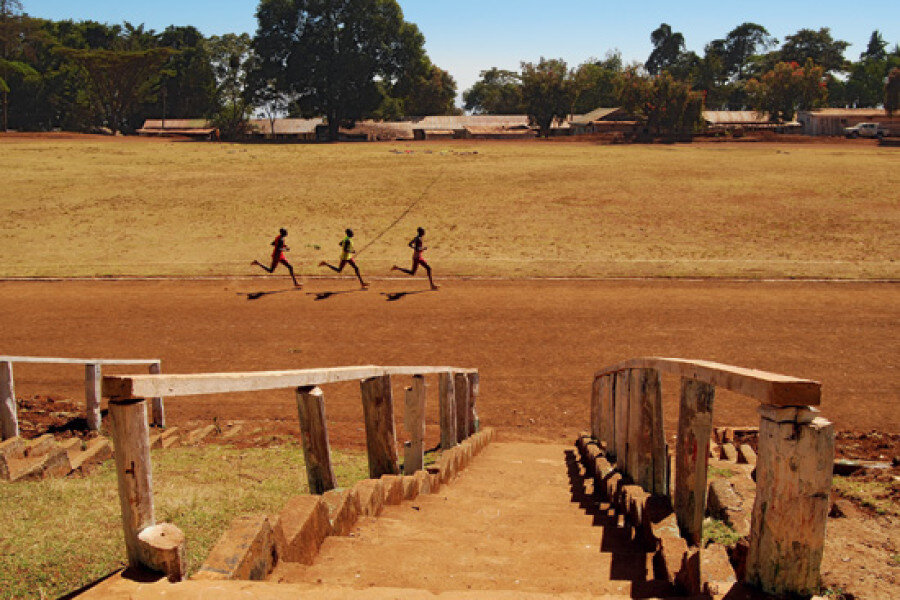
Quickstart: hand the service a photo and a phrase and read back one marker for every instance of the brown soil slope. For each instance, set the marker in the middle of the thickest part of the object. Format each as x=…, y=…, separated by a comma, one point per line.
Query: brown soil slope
x=536, y=343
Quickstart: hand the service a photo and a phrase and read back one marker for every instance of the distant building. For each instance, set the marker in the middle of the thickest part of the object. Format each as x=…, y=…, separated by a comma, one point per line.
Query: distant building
x=286, y=129
x=602, y=120
x=832, y=121
x=471, y=126
x=179, y=127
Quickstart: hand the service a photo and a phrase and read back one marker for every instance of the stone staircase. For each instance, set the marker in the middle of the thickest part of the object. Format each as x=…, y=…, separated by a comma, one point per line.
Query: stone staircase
x=518, y=522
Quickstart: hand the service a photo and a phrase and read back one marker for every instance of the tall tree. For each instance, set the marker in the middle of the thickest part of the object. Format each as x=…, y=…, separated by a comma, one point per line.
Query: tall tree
x=818, y=46
x=788, y=88
x=663, y=104
x=19, y=36
x=232, y=60
x=667, y=48
x=547, y=92
x=875, y=49
x=331, y=55
x=595, y=86
x=188, y=88
x=892, y=93
x=119, y=79
x=431, y=93
x=498, y=92
x=741, y=43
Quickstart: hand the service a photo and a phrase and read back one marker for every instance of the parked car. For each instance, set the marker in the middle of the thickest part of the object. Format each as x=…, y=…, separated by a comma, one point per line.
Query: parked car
x=867, y=130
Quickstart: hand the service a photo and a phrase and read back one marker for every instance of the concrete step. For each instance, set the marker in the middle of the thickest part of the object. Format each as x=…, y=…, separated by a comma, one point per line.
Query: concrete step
x=98, y=451
x=508, y=522
x=117, y=588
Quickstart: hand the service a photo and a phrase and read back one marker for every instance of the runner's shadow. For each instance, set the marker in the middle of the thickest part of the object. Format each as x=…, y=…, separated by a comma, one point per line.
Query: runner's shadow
x=258, y=295
x=326, y=295
x=395, y=296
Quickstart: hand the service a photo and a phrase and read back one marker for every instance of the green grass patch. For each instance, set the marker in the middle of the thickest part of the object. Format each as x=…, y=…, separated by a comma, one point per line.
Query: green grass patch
x=719, y=472
x=719, y=532
x=60, y=534
x=875, y=495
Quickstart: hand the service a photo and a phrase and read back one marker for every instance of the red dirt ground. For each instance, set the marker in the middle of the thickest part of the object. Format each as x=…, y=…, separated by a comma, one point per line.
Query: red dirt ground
x=536, y=343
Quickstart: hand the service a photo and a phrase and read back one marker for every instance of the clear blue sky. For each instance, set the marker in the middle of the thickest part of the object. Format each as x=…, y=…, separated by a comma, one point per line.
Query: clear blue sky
x=466, y=36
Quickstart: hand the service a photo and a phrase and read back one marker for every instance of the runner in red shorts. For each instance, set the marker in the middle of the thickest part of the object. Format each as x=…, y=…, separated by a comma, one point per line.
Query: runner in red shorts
x=278, y=257
x=418, y=249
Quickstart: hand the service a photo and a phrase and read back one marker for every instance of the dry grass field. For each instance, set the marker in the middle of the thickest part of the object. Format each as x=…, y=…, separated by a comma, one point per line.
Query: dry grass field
x=96, y=206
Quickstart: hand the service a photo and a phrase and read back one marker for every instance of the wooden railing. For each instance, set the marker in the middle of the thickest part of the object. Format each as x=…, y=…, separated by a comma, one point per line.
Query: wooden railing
x=161, y=547
x=794, y=468
x=9, y=420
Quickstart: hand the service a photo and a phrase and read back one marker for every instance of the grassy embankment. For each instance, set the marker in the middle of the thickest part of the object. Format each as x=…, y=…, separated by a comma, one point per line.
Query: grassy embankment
x=100, y=207
x=60, y=534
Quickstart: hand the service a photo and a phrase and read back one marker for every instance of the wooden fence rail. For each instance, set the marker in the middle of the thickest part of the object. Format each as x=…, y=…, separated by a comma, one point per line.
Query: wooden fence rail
x=626, y=417
x=150, y=545
x=93, y=373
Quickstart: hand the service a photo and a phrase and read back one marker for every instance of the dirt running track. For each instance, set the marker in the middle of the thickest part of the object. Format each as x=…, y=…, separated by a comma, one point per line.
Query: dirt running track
x=536, y=343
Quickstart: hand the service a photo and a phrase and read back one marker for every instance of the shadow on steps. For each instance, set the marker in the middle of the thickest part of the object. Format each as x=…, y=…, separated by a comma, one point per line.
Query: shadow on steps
x=629, y=555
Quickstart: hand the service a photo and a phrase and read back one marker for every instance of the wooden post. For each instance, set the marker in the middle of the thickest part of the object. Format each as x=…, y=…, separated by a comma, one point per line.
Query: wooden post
x=461, y=390
x=692, y=456
x=414, y=420
x=474, y=384
x=621, y=406
x=131, y=440
x=595, y=408
x=646, y=463
x=9, y=420
x=381, y=436
x=93, y=379
x=157, y=407
x=793, y=484
x=314, y=435
x=607, y=415
x=447, y=399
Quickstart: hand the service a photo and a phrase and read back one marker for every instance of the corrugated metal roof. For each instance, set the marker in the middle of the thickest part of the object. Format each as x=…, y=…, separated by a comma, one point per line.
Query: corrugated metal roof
x=461, y=122
x=176, y=124
x=739, y=117
x=597, y=114
x=286, y=126
x=849, y=112
x=504, y=131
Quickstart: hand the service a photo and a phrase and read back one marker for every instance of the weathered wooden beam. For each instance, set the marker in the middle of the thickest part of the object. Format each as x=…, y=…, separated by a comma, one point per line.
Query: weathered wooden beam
x=793, y=484
x=92, y=393
x=46, y=360
x=646, y=441
x=474, y=389
x=607, y=415
x=314, y=435
x=157, y=405
x=414, y=419
x=131, y=440
x=9, y=419
x=692, y=456
x=381, y=435
x=447, y=402
x=621, y=407
x=768, y=388
x=461, y=392
x=167, y=385
x=595, y=408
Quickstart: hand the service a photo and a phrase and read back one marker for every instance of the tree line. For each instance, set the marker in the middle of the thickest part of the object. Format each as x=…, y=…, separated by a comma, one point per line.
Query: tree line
x=745, y=70
x=347, y=60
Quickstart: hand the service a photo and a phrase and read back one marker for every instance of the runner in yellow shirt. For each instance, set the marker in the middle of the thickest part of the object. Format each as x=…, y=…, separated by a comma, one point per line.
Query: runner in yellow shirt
x=347, y=253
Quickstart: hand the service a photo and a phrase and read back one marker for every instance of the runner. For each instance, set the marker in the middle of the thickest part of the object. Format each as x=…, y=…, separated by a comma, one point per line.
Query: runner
x=418, y=259
x=278, y=257
x=347, y=253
